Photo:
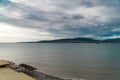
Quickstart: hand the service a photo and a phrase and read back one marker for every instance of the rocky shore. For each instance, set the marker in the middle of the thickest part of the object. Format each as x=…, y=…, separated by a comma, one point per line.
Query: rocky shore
x=42, y=76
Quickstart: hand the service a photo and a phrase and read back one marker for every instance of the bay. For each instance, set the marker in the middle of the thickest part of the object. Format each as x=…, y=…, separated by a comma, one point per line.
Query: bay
x=77, y=61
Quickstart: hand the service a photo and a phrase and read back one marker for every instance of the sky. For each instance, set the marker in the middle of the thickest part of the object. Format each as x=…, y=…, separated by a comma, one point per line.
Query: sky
x=34, y=20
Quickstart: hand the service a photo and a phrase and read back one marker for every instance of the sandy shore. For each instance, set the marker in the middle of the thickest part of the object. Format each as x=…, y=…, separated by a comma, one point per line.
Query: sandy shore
x=35, y=74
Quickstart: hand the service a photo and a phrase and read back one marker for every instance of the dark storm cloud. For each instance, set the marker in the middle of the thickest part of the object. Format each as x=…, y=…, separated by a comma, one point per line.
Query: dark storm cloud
x=73, y=17
x=87, y=3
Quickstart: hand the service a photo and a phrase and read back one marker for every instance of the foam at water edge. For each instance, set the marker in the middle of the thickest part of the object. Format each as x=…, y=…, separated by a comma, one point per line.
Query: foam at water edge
x=75, y=79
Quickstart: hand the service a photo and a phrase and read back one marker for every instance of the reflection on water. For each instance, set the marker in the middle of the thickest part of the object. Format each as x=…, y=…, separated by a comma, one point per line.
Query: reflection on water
x=77, y=61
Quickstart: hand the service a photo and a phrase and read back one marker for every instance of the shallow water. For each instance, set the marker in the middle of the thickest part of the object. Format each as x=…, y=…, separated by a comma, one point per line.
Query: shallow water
x=68, y=60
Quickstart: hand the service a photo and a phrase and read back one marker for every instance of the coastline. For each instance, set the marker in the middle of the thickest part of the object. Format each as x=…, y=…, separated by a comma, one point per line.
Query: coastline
x=23, y=71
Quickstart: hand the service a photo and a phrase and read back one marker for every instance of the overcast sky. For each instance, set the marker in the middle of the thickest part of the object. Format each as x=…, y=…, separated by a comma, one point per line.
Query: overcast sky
x=32, y=20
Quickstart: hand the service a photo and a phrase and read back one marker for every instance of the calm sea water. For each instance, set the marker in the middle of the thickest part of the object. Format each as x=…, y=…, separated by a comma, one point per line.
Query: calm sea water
x=68, y=60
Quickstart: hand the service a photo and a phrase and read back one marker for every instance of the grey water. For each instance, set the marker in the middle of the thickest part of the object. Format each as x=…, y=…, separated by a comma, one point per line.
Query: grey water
x=77, y=61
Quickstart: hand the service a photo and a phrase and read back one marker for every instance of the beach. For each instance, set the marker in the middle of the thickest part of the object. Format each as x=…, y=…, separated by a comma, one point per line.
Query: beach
x=9, y=71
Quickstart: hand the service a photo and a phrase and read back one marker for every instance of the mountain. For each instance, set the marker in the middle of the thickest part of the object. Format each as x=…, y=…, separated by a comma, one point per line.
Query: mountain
x=74, y=40
x=79, y=40
x=116, y=40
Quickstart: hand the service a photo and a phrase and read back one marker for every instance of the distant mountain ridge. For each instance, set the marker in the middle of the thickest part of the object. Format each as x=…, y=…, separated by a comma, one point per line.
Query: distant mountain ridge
x=80, y=40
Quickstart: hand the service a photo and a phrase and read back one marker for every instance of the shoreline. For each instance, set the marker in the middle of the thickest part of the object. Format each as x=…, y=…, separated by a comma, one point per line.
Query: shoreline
x=42, y=76
x=25, y=71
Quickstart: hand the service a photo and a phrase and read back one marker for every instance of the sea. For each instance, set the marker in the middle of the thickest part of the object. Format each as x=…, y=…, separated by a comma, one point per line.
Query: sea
x=77, y=61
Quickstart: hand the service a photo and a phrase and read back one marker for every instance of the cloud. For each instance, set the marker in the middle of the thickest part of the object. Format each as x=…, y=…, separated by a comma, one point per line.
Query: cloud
x=87, y=3
x=63, y=18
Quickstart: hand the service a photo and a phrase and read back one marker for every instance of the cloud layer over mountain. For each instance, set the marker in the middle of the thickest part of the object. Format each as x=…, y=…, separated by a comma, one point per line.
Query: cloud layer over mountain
x=53, y=19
